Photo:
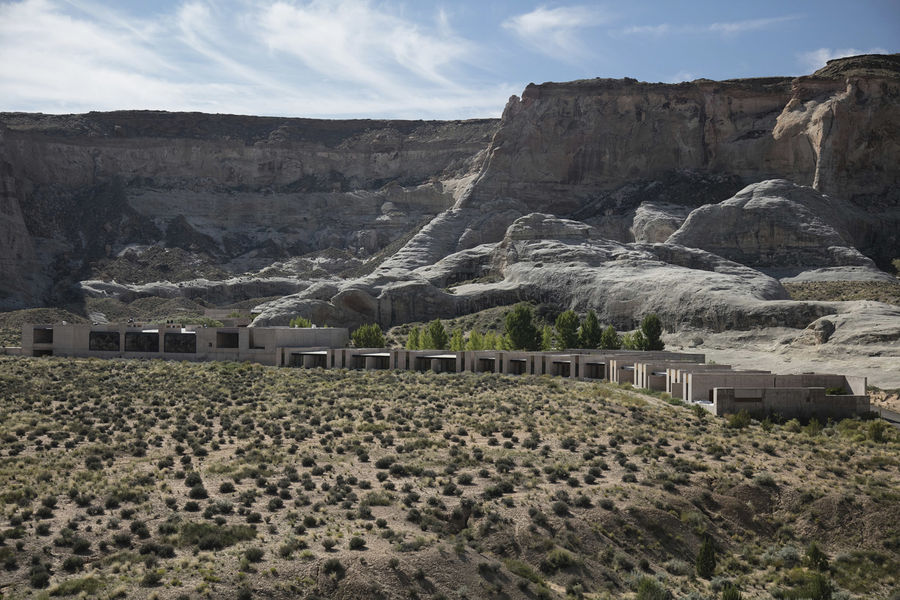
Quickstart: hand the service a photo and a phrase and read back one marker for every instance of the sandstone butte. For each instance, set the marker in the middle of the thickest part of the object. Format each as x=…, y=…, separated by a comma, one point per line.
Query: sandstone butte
x=697, y=201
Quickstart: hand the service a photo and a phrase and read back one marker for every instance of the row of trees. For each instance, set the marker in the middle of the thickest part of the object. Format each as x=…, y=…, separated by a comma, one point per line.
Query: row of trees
x=521, y=332
x=570, y=332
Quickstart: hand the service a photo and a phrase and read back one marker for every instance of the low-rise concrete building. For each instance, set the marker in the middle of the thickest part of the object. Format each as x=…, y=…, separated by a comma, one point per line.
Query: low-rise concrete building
x=277, y=346
x=789, y=403
x=684, y=375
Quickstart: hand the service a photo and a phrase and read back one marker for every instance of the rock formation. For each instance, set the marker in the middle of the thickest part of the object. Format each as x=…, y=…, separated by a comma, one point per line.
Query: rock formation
x=690, y=200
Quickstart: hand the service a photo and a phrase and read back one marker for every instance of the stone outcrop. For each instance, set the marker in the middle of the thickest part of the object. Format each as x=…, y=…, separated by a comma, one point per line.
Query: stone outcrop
x=544, y=258
x=616, y=195
x=776, y=226
x=248, y=191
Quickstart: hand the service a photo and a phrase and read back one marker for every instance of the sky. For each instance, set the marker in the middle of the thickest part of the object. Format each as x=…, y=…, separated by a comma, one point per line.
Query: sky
x=429, y=59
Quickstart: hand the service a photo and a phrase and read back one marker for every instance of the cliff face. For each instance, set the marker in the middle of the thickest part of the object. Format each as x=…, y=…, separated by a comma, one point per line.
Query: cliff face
x=564, y=146
x=631, y=160
x=560, y=144
x=242, y=191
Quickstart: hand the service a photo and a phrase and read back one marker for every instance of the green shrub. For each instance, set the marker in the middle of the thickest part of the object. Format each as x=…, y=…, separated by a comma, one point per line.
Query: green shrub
x=523, y=569
x=39, y=576
x=85, y=586
x=650, y=589
x=357, y=543
x=740, y=420
x=299, y=321
x=208, y=536
x=254, y=554
x=333, y=567
x=731, y=593
x=557, y=559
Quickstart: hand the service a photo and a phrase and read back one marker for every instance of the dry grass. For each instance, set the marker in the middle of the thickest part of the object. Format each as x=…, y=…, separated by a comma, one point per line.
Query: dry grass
x=399, y=485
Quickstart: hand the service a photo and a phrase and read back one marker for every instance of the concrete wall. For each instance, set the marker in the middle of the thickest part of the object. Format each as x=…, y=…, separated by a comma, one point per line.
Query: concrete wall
x=700, y=385
x=259, y=344
x=789, y=403
x=851, y=385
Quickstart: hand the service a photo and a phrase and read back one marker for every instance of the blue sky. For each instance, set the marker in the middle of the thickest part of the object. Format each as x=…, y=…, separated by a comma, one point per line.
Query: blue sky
x=400, y=58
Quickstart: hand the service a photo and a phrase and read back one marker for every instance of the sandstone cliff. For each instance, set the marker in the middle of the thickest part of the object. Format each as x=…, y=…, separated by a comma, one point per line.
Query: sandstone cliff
x=227, y=187
x=632, y=185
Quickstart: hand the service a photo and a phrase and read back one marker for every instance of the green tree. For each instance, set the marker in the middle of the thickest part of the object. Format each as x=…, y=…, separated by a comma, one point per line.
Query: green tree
x=706, y=559
x=412, y=342
x=299, y=321
x=435, y=336
x=547, y=338
x=590, y=333
x=457, y=343
x=651, y=327
x=368, y=336
x=492, y=341
x=476, y=341
x=609, y=339
x=520, y=327
x=567, y=329
x=634, y=340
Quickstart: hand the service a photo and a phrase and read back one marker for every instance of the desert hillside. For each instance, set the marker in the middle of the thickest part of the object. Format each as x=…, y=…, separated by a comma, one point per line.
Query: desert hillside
x=165, y=480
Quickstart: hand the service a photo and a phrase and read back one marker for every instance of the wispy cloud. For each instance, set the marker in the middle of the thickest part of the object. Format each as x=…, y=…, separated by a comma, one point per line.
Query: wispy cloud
x=749, y=24
x=554, y=31
x=723, y=28
x=816, y=59
x=304, y=58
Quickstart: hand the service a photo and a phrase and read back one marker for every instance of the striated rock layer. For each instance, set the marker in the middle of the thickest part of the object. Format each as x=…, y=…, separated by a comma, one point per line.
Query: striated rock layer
x=688, y=199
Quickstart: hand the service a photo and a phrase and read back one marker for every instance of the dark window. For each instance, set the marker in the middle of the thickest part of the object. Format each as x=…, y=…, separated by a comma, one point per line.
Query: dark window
x=141, y=341
x=104, y=341
x=226, y=339
x=43, y=335
x=43, y=353
x=183, y=343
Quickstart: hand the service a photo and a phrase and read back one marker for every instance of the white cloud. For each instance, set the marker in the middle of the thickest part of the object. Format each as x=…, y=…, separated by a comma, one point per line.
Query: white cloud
x=649, y=29
x=749, y=24
x=313, y=58
x=724, y=28
x=816, y=59
x=554, y=31
x=682, y=76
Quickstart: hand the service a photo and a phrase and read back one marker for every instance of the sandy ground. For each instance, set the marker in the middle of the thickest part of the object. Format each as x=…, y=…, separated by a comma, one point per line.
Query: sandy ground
x=767, y=349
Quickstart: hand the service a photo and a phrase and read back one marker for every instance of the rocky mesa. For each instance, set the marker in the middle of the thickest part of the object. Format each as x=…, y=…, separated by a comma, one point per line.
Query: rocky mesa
x=694, y=200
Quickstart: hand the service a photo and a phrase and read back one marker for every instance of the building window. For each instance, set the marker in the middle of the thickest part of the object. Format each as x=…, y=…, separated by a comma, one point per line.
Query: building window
x=104, y=341
x=43, y=335
x=181, y=343
x=226, y=339
x=141, y=341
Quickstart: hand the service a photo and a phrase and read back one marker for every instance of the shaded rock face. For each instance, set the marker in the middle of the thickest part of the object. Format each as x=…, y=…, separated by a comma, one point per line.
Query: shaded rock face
x=245, y=190
x=776, y=226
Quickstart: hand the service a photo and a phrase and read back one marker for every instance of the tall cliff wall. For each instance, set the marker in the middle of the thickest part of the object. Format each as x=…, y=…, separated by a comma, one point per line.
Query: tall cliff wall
x=562, y=147
x=80, y=188
x=631, y=159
